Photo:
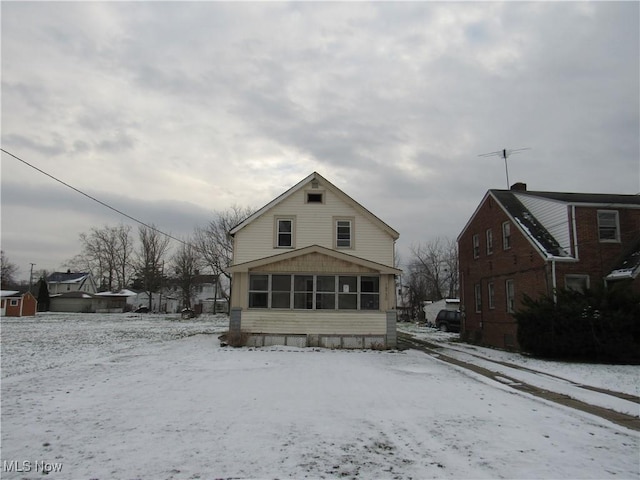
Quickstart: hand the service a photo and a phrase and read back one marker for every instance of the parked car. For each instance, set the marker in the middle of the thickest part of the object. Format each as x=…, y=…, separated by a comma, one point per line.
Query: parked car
x=448, y=320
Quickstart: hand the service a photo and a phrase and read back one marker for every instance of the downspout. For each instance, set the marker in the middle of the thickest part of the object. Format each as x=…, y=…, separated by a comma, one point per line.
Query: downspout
x=553, y=279
x=575, y=232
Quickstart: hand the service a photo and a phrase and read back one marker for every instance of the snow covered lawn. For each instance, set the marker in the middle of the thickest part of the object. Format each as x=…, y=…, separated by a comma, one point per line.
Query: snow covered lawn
x=111, y=397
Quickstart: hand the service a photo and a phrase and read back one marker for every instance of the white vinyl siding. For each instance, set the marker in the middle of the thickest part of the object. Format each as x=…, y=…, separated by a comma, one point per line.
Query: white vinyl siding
x=314, y=225
x=553, y=215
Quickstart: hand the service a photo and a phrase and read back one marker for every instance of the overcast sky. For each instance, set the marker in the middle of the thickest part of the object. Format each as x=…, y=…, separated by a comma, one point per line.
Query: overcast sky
x=170, y=111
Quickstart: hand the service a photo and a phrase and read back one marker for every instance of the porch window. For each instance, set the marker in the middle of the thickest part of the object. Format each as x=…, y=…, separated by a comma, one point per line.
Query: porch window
x=281, y=291
x=608, y=226
x=258, y=291
x=314, y=292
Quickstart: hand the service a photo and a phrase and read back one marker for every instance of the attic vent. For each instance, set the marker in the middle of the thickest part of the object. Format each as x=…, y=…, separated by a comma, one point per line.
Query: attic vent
x=314, y=198
x=314, y=184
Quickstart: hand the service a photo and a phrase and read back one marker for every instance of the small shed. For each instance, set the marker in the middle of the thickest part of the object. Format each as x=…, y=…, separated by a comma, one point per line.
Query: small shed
x=16, y=304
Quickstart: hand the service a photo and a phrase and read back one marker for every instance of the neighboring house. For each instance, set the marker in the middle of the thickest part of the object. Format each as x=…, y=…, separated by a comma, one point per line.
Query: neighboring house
x=83, y=302
x=208, y=295
x=63, y=282
x=525, y=242
x=16, y=304
x=314, y=268
x=166, y=301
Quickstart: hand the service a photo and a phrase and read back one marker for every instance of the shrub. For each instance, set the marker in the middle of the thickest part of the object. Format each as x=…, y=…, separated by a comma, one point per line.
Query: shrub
x=598, y=325
x=237, y=339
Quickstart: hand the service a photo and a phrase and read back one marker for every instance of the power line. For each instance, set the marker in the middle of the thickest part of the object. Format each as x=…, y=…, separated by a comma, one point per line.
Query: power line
x=120, y=212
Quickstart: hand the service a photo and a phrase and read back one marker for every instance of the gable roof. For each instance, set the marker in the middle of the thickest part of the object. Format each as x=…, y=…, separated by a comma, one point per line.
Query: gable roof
x=246, y=266
x=329, y=186
x=534, y=229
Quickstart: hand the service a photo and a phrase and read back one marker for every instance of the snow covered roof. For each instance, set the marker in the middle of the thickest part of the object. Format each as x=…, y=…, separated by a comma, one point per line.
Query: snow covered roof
x=9, y=293
x=629, y=265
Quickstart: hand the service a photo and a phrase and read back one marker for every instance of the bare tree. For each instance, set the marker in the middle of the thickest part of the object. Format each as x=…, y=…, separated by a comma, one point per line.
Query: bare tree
x=150, y=259
x=214, y=241
x=8, y=271
x=186, y=262
x=436, y=262
x=106, y=253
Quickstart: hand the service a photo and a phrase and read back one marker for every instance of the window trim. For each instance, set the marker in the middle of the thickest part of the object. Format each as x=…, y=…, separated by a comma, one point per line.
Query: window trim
x=506, y=235
x=475, y=240
x=276, y=231
x=617, y=226
x=352, y=232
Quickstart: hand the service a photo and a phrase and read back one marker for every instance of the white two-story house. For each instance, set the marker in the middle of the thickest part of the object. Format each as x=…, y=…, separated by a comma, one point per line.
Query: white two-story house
x=314, y=268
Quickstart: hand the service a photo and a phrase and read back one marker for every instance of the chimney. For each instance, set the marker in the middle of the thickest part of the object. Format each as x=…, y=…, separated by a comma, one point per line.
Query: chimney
x=519, y=187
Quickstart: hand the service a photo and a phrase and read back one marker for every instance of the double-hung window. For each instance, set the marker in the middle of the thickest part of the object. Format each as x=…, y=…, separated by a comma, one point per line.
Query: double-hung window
x=478, y=297
x=476, y=246
x=491, y=295
x=511, y=295
x=344, y=233
x=506, y=236
x=608, y=226
x=258, y=291
x=284, y=232
x=489, y=235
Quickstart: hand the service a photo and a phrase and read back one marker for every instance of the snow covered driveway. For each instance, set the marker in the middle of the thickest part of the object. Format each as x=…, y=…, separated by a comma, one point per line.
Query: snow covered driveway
x=106, y=397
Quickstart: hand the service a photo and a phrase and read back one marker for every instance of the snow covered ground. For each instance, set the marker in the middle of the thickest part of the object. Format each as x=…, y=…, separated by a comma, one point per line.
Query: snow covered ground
x=153, y=397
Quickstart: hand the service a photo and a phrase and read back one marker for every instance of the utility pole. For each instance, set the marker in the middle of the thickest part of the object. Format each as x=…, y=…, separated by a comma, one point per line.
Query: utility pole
x=31, y=277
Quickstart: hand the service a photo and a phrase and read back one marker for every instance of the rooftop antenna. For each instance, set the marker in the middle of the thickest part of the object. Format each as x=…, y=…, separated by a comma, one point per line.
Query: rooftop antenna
x=505, y=153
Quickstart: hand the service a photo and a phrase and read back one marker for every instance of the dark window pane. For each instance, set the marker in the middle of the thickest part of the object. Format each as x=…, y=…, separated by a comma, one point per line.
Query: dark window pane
x=284, y=226
x=281, y=283
x=347, y=301
x=325, y=301
x=280, y=300
x=303, y=283
x=284, y=240
x=314, y=198
x=259, y=282
x=303, y=300
x=326, y=283
x=258, y=300
x=348, y=284
x=369, y=301
x=369, y=284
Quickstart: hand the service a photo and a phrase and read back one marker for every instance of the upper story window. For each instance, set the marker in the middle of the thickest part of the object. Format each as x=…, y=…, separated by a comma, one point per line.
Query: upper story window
x=284, y=233
x=608, y=226
x=476, y=246
x=506, y=236
x=344, y=233
x=315, y=197
x=489, y=235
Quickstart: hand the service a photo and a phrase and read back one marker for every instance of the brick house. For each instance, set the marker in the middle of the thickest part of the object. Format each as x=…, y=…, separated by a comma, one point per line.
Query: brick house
x=525, y=242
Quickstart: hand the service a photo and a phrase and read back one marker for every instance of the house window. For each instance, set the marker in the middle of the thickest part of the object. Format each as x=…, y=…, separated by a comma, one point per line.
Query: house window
x=319, y=292
x=511, y=295
x=577, y=283
x=13, y=302
x=303, y=292
x=258, y=291
x=478, y=297
x=476, y=246
x=491, y=295
x=280, y=291
x=347, y=293
x=506, y=236
x=608, y=226
x=489, y=235
x=326, y=292
x=284, y=233
x=314, y=197
x=343, y=233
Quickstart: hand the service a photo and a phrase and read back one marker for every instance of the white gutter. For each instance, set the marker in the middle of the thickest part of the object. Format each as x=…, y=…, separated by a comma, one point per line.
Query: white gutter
x=575, y=232
x=553, y=280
